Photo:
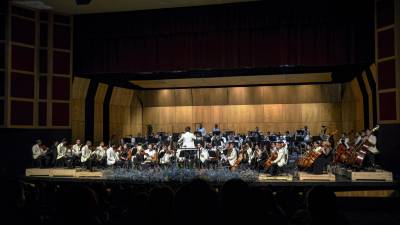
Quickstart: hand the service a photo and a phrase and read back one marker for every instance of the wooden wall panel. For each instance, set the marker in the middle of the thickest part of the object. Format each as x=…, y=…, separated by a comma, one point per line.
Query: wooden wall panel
x=183, y=97
x=352, y=107
x=78, y=97
x=136, y=116
x=210, y=96
x=120, y=112
x=271, y=108
x=98, y=112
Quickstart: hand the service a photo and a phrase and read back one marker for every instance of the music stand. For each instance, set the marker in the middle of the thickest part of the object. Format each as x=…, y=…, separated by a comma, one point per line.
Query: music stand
x=188, y=154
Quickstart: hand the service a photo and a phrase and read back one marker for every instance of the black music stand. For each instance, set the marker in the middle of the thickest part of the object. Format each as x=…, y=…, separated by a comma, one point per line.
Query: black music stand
x=188, y=154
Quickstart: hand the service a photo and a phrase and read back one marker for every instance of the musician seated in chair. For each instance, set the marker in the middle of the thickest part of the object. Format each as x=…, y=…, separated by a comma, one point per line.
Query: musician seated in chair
x=77, y=152
x=86, y=158
x=370, y=142
x=61, y=151
x=112, y=157
x=167, y=155
x=150, y=156
x=281, y=159
x=100, y=154
x=38, y=154
x=203, y=156
x=324, y=159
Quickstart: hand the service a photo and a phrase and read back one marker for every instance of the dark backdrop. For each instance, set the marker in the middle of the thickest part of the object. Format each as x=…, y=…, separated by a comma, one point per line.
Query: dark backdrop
x=256, y=34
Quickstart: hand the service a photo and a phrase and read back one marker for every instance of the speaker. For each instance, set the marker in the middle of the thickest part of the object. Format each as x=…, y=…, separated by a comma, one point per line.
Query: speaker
x=83, y=2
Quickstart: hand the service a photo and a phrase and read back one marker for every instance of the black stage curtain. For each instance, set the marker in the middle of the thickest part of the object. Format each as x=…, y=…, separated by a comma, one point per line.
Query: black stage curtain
x=255, y=34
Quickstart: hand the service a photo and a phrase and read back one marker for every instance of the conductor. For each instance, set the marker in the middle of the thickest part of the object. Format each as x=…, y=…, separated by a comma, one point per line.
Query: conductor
x=187, y=139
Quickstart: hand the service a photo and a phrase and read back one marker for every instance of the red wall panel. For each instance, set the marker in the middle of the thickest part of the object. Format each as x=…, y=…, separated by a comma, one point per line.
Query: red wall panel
x=23, y=58
x=60, y=114
x=42, y=114
x=2, y=55
x=43, y=87
x=386, y=43
x=22, y=30
x=386, y=76
x=387, y=106
x=61, y=62
x=61, y=88
x=21, y=113
x=384, y=13
x=61, y=37
x=22, y=85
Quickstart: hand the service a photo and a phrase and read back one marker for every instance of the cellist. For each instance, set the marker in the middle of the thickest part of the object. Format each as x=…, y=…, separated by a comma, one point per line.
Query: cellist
x=281, y=159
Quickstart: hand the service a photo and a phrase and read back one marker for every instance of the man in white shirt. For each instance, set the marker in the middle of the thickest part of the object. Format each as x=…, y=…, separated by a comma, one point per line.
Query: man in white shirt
x=111, y=156
x=344, y=140
x=76, y=152
x=61, y=153
x=37, y=154
x=150, y=155
x=187, y=139
x=86, y=155
x=100, y=153
x=203, y=155
x=232, y=154
x=370, y=142
x=281, y=159
x=168, y=155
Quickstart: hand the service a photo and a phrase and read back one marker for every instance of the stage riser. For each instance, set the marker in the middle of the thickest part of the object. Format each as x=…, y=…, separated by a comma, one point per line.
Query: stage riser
x=61, y=173
x=378, y=175
x=303, y=176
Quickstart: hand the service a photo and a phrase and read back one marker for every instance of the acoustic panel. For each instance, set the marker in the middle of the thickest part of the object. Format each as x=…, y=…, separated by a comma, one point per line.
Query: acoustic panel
x=21, y=113
x=60, y=114
x=22, y=58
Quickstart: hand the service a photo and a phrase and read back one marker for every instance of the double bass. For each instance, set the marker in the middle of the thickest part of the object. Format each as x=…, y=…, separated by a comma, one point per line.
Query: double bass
x=359, y=152
x=271, y=158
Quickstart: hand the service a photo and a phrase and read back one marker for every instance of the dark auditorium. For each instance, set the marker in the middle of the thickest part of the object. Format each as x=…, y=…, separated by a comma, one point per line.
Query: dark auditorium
x=208, y=112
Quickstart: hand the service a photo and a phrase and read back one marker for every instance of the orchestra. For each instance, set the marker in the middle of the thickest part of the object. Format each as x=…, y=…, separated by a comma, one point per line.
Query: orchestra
x=267, y=152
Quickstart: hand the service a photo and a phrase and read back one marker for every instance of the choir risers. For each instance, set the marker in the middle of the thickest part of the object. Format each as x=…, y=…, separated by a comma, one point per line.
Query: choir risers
x=303, y=176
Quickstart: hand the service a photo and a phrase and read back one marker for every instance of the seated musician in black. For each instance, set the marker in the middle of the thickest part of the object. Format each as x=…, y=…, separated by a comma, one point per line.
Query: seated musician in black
x=324, y=159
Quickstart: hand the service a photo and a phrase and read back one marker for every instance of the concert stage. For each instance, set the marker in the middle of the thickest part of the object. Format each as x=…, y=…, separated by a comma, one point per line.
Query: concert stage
x=216, y=178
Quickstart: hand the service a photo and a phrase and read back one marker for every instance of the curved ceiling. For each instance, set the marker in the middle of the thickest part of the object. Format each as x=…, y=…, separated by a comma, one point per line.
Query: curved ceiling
x=103, y=6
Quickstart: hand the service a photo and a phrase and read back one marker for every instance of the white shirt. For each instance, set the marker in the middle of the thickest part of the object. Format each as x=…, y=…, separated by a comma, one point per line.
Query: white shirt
x=249, y=154
x=85, y=153
x=76, y=149
x=204, y=155
x=357, y=140
x=37, y=151
x=372, y=140
x=100, y=152
x=282, y=157
x=111, y=156
x=61, y=150
x=166, y=157
x=149, y=154
x=232, y=157
x=187, y=140
x=344, y=141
